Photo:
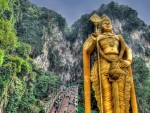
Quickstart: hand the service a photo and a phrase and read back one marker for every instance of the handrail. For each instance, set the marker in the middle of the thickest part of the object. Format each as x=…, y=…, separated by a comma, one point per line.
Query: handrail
x=51, y=106
x=76, y=101
x=51, y=103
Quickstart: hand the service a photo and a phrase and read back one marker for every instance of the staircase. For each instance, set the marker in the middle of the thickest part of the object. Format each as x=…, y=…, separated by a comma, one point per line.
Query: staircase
x=68, y=101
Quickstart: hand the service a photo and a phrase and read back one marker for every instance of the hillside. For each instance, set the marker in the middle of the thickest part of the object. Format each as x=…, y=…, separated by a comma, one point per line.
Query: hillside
x=39, y=52
x=23, y=85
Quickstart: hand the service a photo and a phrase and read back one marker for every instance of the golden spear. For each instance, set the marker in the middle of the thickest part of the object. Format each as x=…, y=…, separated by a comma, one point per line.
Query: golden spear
x=96, y=19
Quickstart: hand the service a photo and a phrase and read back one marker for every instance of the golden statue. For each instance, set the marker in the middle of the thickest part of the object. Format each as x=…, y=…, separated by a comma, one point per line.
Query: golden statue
x=111, y=74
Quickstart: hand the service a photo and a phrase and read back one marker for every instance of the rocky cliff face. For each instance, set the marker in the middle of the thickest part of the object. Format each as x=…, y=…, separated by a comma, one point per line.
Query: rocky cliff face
x=134, y=38
x=67, y=57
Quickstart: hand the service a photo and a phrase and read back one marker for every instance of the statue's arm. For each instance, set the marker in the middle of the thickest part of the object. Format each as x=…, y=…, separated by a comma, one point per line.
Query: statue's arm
x=128, y=53
x=127, y=59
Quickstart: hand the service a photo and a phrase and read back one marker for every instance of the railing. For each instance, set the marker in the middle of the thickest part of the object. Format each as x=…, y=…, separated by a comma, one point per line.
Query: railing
x=50, y=106
x=76, y=101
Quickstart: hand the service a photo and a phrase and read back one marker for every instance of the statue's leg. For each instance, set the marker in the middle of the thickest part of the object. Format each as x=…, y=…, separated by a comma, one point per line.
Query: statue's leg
x=121, y=92
x=106, y=88
x=107, y=95
x=124, y=87
x=124, y=94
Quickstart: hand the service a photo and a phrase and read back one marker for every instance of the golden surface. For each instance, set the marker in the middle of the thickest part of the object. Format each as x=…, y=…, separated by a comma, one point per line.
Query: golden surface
x=111, y=74
x=95, y=19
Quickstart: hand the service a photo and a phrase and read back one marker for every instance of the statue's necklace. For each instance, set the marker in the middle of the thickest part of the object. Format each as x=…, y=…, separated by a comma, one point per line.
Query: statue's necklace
x=111, y=39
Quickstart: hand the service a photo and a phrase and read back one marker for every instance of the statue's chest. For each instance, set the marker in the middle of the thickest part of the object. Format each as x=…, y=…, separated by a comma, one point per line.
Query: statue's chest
x=110, y=41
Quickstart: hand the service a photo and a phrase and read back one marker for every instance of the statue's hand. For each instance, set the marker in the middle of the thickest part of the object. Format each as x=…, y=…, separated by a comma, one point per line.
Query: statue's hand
x=115, y=76
x=95, y=34
x=124, y=63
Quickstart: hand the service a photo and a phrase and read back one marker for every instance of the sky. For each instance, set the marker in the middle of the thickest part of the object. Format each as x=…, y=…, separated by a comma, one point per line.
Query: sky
x=72, y=10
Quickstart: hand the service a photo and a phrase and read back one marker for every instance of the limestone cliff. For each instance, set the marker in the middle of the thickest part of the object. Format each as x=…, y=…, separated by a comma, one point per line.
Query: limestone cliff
x=66, y=58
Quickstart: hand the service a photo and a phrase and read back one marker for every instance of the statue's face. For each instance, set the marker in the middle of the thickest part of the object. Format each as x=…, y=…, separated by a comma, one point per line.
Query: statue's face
x=106, y=26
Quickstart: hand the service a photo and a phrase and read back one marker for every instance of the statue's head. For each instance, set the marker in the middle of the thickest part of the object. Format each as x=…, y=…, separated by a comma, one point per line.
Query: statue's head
x=105, y=24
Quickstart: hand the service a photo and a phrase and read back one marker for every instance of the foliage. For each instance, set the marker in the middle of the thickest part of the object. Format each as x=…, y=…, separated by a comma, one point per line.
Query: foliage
x=80, y=29
x=126, y=37
x=15, y=98
x=42, y=86
x=1, y=57
x=28, y=84
x=3, y=4
x=46, y=81
x=54, y=80
x=23, y=49
x=35, y=23
x=7, y=36
x=80, y=108
x=147, y=52
x=20, y=63
x=53, y=56
x=20, y=79
x=146, y=34
x=139, y=48
x=141, y=75
x=6, y=72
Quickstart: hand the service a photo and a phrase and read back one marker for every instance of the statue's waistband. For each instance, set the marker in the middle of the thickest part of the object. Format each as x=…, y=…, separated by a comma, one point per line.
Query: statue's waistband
x=111, y=56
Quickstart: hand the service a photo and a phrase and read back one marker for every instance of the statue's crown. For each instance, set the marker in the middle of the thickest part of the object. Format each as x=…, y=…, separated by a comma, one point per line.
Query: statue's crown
x=104, y=18
x=97, y=19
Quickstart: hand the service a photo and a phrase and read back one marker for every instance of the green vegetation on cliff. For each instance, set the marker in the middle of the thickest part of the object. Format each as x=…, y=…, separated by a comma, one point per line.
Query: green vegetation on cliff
x=23, y=85
x=33, y=23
